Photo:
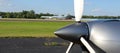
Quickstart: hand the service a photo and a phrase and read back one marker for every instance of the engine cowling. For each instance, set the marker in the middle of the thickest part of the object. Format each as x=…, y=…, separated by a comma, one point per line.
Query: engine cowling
x=105, y=35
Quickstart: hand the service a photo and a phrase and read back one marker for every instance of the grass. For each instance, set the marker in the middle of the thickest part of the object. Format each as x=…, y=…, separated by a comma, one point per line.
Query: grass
x=30, y=28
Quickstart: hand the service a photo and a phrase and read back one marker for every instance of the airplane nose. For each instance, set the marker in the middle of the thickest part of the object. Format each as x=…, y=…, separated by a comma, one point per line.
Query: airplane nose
x=73, y=32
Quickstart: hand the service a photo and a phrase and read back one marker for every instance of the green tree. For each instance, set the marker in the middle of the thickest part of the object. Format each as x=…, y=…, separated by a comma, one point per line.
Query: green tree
x=69, y=16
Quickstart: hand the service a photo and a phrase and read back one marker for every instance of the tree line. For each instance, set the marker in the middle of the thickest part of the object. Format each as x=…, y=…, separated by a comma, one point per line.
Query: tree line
x=24, y=14
x=94, y=17
x=32, y=15
x=102, y=17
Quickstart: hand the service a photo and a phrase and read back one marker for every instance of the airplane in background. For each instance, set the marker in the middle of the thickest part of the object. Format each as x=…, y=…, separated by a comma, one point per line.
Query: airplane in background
x=100, y=36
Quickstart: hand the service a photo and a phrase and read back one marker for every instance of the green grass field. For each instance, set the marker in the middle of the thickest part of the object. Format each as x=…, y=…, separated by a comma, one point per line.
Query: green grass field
x=30, y=28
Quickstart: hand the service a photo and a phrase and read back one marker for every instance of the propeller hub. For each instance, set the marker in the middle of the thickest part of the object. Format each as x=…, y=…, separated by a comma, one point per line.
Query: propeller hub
x=73, y=32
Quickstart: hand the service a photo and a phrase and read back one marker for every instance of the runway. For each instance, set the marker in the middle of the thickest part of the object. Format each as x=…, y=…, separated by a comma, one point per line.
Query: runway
x=34, y=45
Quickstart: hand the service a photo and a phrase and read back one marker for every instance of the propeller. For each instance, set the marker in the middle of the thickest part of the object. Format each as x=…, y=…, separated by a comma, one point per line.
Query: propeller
x=77, y=32
x=78, y=9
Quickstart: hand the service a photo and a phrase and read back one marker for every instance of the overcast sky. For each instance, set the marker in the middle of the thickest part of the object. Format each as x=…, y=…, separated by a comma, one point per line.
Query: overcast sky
x=92, y=7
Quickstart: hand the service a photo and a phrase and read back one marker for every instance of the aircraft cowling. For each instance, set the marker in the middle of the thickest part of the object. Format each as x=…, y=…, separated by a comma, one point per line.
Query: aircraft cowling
x=105, y=35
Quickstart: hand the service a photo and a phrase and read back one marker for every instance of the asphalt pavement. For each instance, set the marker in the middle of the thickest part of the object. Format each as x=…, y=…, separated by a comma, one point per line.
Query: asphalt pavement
x=34, y=45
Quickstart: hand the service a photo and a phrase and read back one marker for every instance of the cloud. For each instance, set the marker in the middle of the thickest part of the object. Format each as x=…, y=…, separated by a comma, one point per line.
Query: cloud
x=5, y=3
x=9, y=4
x=2, y=2
x=103, y=12
x=96, y=10
x=88, y=3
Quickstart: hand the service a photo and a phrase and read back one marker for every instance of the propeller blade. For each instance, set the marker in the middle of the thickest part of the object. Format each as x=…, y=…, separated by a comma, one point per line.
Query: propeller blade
x=86, y=44
x=69, y=47
x=78, y=9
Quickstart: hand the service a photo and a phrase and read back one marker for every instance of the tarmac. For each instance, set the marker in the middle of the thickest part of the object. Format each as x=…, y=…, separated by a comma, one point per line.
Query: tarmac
x=34, y=45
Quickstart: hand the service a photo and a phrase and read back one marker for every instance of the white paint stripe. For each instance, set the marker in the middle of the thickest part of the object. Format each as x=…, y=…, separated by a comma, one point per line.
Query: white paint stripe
x=91, y=50
x=69, y=47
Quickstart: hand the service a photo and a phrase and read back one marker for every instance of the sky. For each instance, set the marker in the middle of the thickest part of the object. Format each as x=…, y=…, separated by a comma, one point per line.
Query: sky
x=62, y=7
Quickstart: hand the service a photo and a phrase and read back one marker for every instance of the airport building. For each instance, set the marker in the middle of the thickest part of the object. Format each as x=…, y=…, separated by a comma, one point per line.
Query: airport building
x=52, y=17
